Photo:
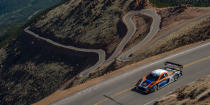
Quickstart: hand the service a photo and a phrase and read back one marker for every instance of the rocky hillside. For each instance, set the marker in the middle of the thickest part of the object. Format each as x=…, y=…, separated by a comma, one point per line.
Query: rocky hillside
x=85, y=23
x=31, y=69
x=196, y=93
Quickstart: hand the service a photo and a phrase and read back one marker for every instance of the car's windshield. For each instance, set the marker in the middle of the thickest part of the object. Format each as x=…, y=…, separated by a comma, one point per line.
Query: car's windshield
x=152, y=77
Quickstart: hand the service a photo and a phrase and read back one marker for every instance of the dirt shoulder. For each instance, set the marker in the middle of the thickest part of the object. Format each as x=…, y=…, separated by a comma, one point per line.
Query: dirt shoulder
x=195, y=93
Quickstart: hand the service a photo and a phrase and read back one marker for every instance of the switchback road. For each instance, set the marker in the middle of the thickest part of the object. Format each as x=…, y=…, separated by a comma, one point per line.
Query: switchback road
x=127, y=19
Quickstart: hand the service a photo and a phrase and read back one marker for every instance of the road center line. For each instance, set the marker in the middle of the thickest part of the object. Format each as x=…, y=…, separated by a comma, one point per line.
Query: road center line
x=196, y=61
x=126, y=90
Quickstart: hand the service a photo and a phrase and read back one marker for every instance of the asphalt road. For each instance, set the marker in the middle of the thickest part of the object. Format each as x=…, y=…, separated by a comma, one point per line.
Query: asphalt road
x=118, y=90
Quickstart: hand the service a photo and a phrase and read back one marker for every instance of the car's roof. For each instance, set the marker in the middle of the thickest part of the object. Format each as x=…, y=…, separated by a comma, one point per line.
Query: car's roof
x=158, y=72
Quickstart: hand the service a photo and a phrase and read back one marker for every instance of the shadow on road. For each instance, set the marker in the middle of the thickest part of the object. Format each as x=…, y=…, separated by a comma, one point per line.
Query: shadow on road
x=113, y=100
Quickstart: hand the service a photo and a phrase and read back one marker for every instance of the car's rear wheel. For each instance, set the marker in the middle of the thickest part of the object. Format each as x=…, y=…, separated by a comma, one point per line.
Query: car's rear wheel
x=180, y=74
x=176, y=77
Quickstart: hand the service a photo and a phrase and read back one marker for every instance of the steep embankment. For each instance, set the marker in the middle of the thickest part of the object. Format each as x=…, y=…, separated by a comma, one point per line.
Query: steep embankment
x=196, y=93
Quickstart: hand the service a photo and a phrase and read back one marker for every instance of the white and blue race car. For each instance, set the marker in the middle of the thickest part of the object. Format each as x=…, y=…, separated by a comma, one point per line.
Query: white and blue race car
x=159, y=78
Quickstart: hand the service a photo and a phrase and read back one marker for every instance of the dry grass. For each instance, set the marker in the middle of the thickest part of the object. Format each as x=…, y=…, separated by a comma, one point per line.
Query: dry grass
x=195, y=93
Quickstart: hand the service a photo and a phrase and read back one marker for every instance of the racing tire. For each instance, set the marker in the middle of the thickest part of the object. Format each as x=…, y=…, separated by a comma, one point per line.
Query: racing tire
x=176, y=77
x=155, y=88
x=180, y=74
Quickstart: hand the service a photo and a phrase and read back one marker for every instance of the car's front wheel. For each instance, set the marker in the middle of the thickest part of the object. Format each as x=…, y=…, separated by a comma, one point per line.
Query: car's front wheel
x=155, y=88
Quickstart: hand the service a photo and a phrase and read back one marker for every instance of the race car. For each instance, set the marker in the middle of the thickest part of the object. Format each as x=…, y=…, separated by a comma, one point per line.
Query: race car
x=159, y=78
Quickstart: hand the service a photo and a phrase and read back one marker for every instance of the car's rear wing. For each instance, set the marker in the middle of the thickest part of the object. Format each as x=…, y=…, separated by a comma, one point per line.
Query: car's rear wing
x=173, y=66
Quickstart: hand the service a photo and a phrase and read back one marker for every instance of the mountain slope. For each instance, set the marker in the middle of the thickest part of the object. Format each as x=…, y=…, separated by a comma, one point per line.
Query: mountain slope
x=84, y=23
x=31, y=69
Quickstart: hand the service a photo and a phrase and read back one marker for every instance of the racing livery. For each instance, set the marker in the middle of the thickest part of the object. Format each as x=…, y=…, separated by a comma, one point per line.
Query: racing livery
x=159, y=78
